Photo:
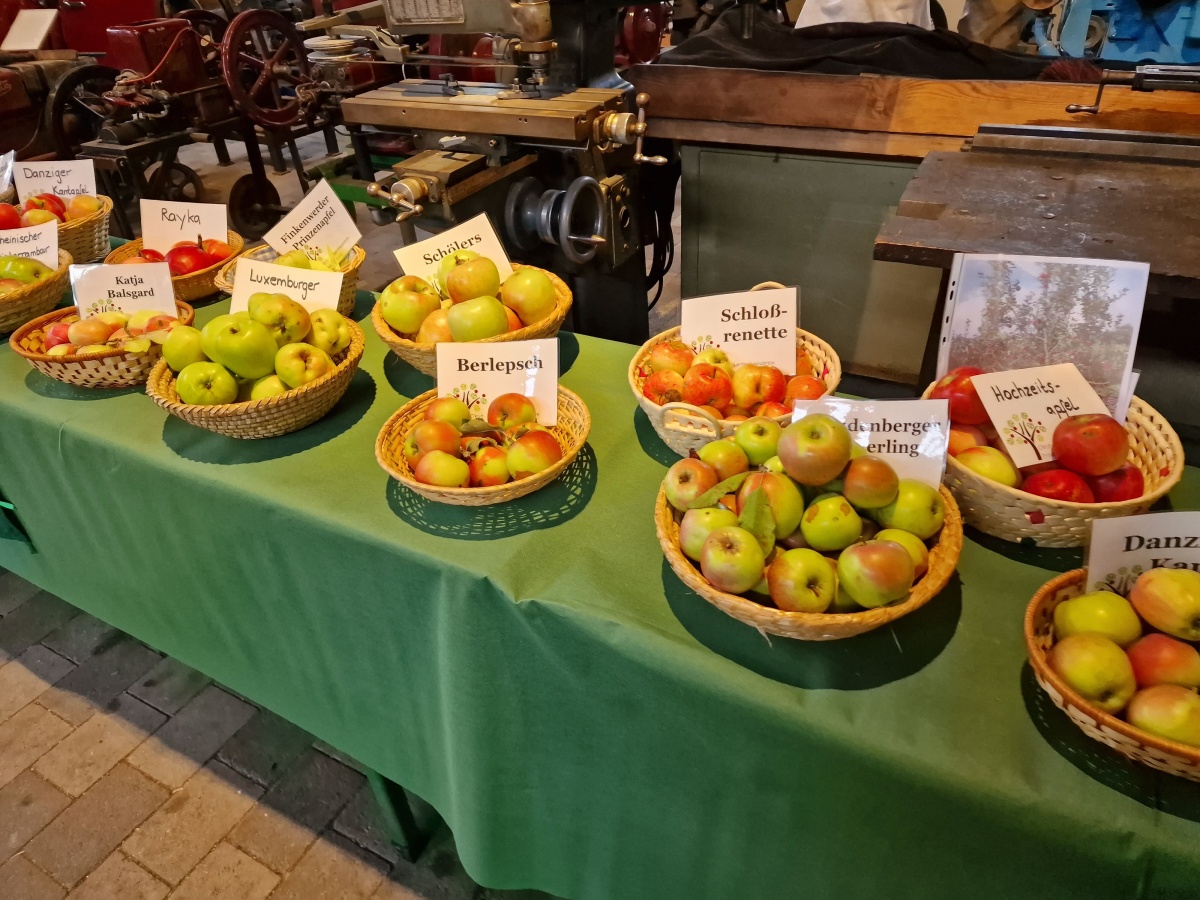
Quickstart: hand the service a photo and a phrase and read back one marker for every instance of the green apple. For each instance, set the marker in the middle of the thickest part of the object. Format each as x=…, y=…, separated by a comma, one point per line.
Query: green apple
x=914, y=545
x=918, y=509
x=267, y=386
x=698, y=524
x=774, y=464
x=530, y=294
x=731, y=559
x=476, y=319
x=758, y=437
x=407, y=301
x=448, y=262
x=726, y=457
x=247, y=349
x=298, y=364
x=183, y=347
x=875, y=573
x=1168, y=711
x=1100, y=612
x=330, y=331
x=1095, y=668
x=802, y=581
x=286, y=319
x=206, y=383
x=218, y=322
x=830, y=523
x=296, y=259
x=23, y=269
x=815, y=449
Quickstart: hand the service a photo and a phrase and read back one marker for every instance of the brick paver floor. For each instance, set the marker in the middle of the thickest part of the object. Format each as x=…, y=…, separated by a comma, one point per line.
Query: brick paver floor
x=125, y=775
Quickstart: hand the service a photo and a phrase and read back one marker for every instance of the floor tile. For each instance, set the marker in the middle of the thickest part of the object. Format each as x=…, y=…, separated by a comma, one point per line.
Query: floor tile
x=22, y=880
x=169, y=686
x=25, y=678
x=28, y=804
x=332, y=869
x=265, y=747
x=98, y=681
x=119, y=878
x=25, y=736
x=227, y=874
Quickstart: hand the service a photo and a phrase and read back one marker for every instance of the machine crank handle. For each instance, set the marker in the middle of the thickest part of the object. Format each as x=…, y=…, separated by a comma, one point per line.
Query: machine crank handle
x=640, y=130
x=403, y=196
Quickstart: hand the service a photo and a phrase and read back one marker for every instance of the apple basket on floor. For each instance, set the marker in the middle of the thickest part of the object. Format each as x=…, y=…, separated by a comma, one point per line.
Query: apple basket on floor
x=1158, y=753
x=114, y=368
x=19, y=306
x=273, y=416
x=943, y=558
x=571, y=432
x=86, y=238
x=1014, y=515
x=423, y=357
x=264, y=253
x=192, y=286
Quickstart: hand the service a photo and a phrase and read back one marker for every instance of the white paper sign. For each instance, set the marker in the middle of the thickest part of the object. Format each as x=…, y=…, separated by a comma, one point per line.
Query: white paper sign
x=124, y=288
x=422, y=258
x=167, y=222
x=910, y=435
x=750, y=326
x=479, y=373
x=312, y=290
x=38, y=242
x=29, y=29
x=1026, y=405
x=319, y=221
x=6, y=169
x=66, y=178
x=1123, y=548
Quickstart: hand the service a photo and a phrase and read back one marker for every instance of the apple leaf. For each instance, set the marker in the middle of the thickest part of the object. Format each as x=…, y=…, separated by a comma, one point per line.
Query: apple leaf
x=476, y=426
x=757, y=519
x=713, y=495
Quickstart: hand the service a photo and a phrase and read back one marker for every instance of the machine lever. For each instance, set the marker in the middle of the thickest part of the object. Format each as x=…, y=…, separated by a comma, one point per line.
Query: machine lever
x=640, y=130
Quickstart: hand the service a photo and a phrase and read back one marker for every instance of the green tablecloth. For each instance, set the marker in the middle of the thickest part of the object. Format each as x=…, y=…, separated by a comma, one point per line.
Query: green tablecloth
x=584, y=723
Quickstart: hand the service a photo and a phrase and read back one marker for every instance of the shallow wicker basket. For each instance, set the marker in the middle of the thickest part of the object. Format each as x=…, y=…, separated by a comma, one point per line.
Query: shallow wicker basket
x=272, y=417
x=1158, y=753
x=188, y=288
x=574, y=423
x=423, y=357
x=264, y=253
x=1014, y=515
x=19, y=306
x=111, y=369
x=86, y=239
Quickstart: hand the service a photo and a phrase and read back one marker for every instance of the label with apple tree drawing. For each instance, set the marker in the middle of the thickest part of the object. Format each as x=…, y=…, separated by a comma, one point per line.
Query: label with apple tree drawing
x=479, y=373
x=64, y=178
x=38, y=242
x=477, y=235
x=99, y=288
x=166, y=223
x=1123, y=548
x=311, y=289
x=319, y=221
x=756, y=327
x=910, y=435
x=1026, y=405
x=6, y=169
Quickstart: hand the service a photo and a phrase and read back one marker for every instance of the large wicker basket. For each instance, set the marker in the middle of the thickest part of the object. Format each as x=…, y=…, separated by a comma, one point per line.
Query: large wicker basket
x=1158, y=753
x=86, y=239
x=19, y=306
x=111, y=369
x=264, y=253
x=943, y=557
x=423, y=357
x=272, y=417
x=1014, y=515
x=188, y=288
x=571, y=430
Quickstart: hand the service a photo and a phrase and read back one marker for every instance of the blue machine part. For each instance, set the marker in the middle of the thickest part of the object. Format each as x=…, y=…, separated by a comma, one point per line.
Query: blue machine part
x=1121, y=30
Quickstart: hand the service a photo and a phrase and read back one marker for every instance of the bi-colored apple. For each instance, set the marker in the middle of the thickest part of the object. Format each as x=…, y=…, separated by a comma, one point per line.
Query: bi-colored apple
x=1167, y=711
x=991, y=464
x=473, y=278
x=686, y=480
x=663, y=387
x=530, y=294
x=715, y=357
x=1160, y=659
x=868, y=482
x=533, y=452
x=803, y=387
x=963, y=437
x=830, y=524
x=673, y=356
x=488, y=467
x=726, y=457
x=1095, y=668
x=448, y=262
x=1169, y=599
x=698, y=524
x=802, y=580
x=435, y=329
x=815, y=449
x=89, y=331
x=511, y=409
x=442, y=469
x=753, y=384
x=731, y=560
x=917, y=509
x=783, y=497
x=914, y=545
x=450, y=410
x=706, y=385
x=876, y=573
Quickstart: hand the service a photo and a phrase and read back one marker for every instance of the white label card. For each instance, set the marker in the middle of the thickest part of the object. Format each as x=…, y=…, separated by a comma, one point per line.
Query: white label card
x=1121, y=549
x=1026, y=405
x=477, y=234
x=29, y=29
x=479, y=373
x=38, y=242
x=66, y=178
x=312, y=290
x=319, y=221
x=751, y=326
x=910, y=435
x=124, y=288
x=165, y=223
x=6, y=169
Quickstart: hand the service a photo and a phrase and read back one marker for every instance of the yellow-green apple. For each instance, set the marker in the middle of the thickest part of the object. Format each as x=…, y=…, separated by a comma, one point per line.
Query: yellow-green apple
x=803, y=387
x=488, y=467
x=450, y=410
x=62, y=350
x=1093, y=444
x=82, y=206
x=956, y=387
x=286, y=320
x=671, y=356
x=407, y=301
x=802, y=580
x=215, y=324
x=267, y=386
x=435, y=329
x=914, y=545
x=113, y=317
x=23, y=268
x=442, y=470
x=478, y=318
x=698, y=524
x=533, y=452
x=1169, y=599
x=726, y=457
x=815, y=449
x=663, y=387
x=330, y=331
x=206, y=383
x=89, y=331
x=758, y=438
x=918, y=509
x=784, y=498
x=687, y=480
x=56, y=334
x=753, y=384
x=37, y=217
x=830, y=523
x=1095, y=668
x=991, y=464
x=842, y=602
x=714, y=357
x=246, y=349
x=706, y=385
x=876, y=573
x=433, y=434
x=773, y=410
x=963, y=437
x=511, y=409
x=448, y=262
x=136, y=345
x=183, y=347
x=530, y=294
x=299, y=364
x=294, y=259
x=868, y=482
x=473, y=278
x=731, y=559
x=1167, y=711
x=1098, y=612
x=1158, y=659
x=774, y=464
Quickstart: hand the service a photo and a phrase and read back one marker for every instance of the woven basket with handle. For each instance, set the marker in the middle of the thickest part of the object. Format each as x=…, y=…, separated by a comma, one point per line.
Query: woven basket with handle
x=188, y=288
x=423, y=357
x=25, y=303
x=264, y=253
x=110, y=369
x=86, y=239
x=1013, y=514
x=1158, y=753
x=272, y=417
x=571, y=431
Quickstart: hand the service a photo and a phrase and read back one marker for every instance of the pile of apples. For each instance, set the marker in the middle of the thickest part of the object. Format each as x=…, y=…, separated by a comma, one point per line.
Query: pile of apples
x=450, y=449
x=185, y=257
x=324, y=259
x=469, y=302
x=270, y=348
x=803, y=518
x=18, y=271
x=1091, y=452
x=106, y=331
x=1102, y=651
x=42, y=208
x=710, y=381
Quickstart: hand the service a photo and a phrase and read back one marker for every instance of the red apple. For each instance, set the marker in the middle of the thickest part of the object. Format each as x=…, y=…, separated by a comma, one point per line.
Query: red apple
x=489, y=467
x=1093, y=444
x=963, y=437
x=187, y=258
x=1158, y=659
x=511, y=409
x=433, y=434
x=48, y=202
x=687, y=480
x=803, y=387
x=1059, y=484
x=151, y=255
x=753, y=385
x=218, y=250
x=869, y=482
x=706, y=385
x=1126, y=483
x=10, y=217
x=663, y=387
x=57, y=334
x=965, y=406
x=535, y=451
x=671, y=356
x=771, y=409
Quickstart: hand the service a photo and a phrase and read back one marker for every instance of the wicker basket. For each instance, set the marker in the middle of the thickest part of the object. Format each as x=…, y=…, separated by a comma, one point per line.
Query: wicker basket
x=574, y=423
x=188, y=288
x=19, y=306
x=1014, y=515
x=264, y=253
x=943, y=557
x=111, y=369
x=8, y=195
x=423, y=357
x=1158, y=753
x=86, y=239
x=253, y=419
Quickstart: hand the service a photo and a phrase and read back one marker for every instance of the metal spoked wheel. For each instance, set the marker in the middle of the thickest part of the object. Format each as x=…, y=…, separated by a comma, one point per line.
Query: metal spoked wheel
x=77, y=107
x=253, y=207
x=176, y=182
x=266, y=67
